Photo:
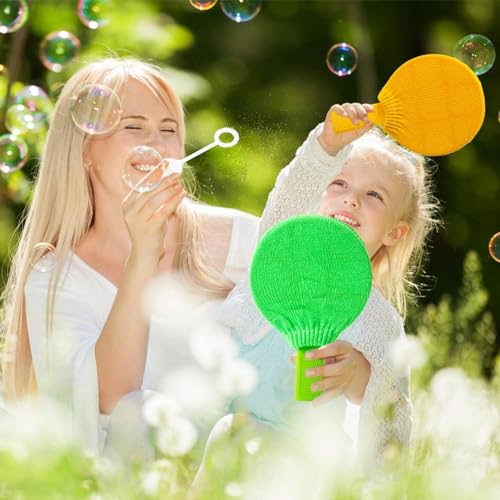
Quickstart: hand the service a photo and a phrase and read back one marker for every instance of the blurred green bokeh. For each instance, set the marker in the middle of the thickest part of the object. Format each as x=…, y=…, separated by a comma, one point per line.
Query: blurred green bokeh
x=268, y=79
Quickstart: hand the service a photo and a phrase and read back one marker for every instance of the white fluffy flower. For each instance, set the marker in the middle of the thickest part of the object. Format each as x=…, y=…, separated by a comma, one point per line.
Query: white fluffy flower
x=159, y=410
x=177, y=438
x=212, y=345
x=151, y=483
x=407, y=352
x=237, y=377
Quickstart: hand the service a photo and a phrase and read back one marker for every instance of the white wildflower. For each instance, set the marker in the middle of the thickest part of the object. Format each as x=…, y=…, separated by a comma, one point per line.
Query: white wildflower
x=212, y=345
x=237, y=377
x=159, y=410
x=177, y=438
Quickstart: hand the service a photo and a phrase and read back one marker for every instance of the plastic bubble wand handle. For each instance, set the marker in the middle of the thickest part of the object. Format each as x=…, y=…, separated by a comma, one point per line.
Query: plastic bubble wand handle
x=175, y=165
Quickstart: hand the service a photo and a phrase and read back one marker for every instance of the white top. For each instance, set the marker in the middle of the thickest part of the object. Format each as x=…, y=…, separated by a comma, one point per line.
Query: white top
x=297, y=191
x=83, y=301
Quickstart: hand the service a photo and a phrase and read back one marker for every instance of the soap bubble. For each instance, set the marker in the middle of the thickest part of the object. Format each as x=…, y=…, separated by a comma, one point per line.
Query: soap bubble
x=13, y=153
x=494, y=247
x=42, y=257
x=20, y=120
x=241, y=11
x=141, y=161
x=203, y=4
x=35, y=99
x=477, y=52
x=13, y=15
x=342, y=59
x=93, y=13
x=97, y=109
x=58, y=49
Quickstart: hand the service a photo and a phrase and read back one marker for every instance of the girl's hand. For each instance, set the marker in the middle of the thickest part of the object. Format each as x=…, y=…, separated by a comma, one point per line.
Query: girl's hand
x=332, y=142
x=147, y=215
x=346, y=371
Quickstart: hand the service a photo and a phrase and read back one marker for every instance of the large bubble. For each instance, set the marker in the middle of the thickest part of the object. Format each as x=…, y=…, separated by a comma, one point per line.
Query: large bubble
x=20, y=120
x=477, y=52
x=96, y=109
x=494, y=247
x=241, y=11
x=13, y=15
x=342, y=59
x=13, y=153
x=58, y=49
x=143, y=169
x=93, y=13
x=203, y=4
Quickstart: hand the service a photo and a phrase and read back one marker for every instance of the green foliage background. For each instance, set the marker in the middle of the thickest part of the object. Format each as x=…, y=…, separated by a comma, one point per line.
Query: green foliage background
x=268, y=79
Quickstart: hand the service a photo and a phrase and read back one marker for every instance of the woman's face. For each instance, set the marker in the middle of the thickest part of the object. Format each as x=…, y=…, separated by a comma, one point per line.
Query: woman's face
x=145, y=121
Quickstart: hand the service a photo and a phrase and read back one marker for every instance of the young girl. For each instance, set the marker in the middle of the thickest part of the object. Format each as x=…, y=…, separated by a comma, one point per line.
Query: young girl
x=381, y=190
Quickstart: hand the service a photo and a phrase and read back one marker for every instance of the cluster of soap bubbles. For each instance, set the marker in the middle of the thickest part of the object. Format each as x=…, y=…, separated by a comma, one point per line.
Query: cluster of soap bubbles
x=58, y=48
x=29, y=113
x=26, y=119
x=239, y=11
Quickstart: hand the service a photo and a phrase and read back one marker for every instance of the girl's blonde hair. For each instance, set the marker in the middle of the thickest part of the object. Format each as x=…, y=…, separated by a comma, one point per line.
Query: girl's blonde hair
x=396, y=268
x=62, y=210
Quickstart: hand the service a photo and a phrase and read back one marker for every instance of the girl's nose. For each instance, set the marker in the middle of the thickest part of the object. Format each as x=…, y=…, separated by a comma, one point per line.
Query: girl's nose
x=351, y=201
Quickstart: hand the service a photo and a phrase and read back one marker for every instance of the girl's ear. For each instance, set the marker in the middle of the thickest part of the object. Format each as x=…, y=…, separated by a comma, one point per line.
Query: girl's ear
x=400, y=230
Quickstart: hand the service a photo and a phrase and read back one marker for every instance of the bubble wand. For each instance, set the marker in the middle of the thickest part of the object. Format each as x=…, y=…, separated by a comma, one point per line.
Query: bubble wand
x=175, y=165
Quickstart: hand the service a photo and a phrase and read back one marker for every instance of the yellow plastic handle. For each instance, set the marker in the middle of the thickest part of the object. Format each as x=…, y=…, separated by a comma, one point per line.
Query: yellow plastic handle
x=343, y=124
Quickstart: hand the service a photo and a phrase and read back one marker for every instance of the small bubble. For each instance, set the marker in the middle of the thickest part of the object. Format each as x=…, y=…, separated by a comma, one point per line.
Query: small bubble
x=477, y=52
x=93, y=13
x=494, y=247
x=241, y=11
x=42, y=257
x=35, y=99
x=342, y=59
x=13, y=153
x=13, y=15
x=58, y=49
x=203, y=4
x=20, y=120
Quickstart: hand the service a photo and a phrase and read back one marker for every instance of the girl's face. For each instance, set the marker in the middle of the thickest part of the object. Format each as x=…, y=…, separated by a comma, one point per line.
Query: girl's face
x=368, y=195
x=145, y=121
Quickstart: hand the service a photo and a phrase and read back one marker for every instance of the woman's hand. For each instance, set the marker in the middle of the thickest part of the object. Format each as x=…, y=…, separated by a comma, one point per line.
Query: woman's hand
x=147, y=215
x=346, y=371
x=332, y=142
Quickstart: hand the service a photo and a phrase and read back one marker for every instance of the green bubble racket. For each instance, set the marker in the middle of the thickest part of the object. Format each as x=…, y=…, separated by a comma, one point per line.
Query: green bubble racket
x=310, y=278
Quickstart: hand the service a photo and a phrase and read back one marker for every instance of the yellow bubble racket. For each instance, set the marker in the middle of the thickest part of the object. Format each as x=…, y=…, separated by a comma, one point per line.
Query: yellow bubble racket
x=432, y=104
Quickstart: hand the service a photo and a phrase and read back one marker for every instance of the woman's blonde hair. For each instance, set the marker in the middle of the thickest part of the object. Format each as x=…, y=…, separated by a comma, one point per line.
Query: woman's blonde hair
x=62, y=210
x=396, y=268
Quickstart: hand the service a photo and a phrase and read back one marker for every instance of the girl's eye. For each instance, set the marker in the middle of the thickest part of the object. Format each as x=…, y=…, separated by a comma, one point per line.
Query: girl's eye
x=338, y=182
x=168, y=130
x=132, y=127
x=375, y=195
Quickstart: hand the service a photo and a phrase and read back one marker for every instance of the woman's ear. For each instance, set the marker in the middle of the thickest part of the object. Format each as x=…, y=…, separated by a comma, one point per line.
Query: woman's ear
x=400, y=230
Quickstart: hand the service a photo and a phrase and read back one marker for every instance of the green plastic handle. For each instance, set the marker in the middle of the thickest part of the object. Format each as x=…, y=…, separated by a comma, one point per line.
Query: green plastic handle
x=303, y=390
